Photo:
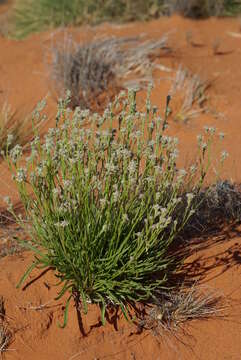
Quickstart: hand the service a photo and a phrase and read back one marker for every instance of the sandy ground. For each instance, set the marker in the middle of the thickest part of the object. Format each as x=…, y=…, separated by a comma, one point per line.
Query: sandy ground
x=23, y=82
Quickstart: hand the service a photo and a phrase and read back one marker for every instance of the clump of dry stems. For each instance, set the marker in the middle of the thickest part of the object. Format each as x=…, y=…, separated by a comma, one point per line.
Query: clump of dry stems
x=175, y=308
x=193, y=92
x=5, y=332
x=89, y=69
x=15, y=129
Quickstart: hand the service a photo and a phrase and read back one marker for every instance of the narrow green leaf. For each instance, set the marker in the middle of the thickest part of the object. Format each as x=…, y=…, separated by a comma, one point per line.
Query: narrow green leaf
x=103, y=308
x=65, y=313
x=65, y=288
x=26, y=274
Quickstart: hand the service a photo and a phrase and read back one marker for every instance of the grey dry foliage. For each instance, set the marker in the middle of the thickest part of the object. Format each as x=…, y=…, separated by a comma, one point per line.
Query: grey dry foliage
x=217, y=204
x=5, y=333
x=88, y=69
x=177, y=307
x=193, y=90
x=5, y=338
x=196, y=8
x=15, y=128
x=221, y=201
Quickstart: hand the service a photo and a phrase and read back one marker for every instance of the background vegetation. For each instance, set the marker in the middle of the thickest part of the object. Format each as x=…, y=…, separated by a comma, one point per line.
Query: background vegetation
x=33, y=16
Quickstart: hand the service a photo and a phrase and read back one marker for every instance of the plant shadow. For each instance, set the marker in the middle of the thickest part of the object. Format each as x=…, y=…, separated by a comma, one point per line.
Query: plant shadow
x=209, y=254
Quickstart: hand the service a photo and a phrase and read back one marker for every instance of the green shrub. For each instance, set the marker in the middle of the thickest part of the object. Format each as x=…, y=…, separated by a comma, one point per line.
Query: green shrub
x=231, y=7
x=104, y=201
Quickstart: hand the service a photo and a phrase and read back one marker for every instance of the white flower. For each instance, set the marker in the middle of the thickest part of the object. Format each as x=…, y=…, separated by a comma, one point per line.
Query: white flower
x=224, y=155
x=158, y=169
x=151, y=143
x=199, y=139
x=122, y=94
x=132, y=167
x=158, y=195
x=86, y=171
x=193, y=168
x=103, y=202
x=149, y=179
x=163, y=210
x=110, y=167
x=126, y=153
x=175, y=141
x=182, y=172
x=85, y=113
x=62, y=224
x=21, y=175
x=174, y=154
x=125, y=218
x=204, y=146
x=49, y=142
x=56, y=191
x=152, y=157
x=10, y=139
x=6, y=199
x=67, y=184
x=32, y=156
x=156, y=207
x=115, y=196
x=212, y=130
x=175, y=201
x=39, y=170
x=190, y=197
x=104, y=228
x=15, y=153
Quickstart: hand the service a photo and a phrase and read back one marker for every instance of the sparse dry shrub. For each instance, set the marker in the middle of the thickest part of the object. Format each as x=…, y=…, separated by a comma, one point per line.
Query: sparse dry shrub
x=15, y=129
x=174, y=308
x=196, y=8
x=193, y=93
x=6, y=334
x=219, y=202
x=90, y=69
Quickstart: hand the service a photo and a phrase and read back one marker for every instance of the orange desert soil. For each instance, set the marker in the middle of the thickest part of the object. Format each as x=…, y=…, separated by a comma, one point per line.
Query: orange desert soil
x=23, y=82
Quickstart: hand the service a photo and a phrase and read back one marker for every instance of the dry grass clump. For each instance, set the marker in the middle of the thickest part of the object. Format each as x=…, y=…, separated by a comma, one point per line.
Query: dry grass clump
x=89, y=69
x=175, y=308
x=15, y=129
x=6, y=335
x=202, y=8
x=219, y=202
x=5, y=338
x=10, y=232
x=193, y=93
x=5, y=18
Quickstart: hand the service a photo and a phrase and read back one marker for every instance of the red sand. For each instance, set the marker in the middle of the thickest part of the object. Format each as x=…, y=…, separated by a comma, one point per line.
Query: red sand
x=23, y=82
